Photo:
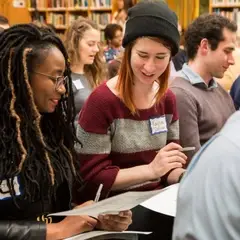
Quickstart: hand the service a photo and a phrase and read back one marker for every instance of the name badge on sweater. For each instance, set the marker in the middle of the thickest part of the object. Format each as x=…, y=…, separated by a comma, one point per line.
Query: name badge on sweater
x=158, y=125
x=78, y=84
x=4, y=189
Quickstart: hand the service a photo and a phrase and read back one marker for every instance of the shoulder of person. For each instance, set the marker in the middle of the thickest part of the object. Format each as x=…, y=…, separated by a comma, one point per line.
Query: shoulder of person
x=181, y=87
x=229, y=129
x=99, y=94
x=169, y=96
x=101, y=99
x=179, y=82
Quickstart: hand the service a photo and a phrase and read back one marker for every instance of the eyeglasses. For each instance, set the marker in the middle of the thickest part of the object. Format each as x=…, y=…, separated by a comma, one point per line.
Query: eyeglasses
x=59, y=81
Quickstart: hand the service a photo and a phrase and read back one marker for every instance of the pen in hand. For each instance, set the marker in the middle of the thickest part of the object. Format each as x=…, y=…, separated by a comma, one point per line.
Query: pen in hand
x=98, y=194
x=186, y=149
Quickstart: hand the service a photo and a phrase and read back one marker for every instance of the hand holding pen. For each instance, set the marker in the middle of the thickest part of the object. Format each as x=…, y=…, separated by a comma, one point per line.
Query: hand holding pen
x=169, y=157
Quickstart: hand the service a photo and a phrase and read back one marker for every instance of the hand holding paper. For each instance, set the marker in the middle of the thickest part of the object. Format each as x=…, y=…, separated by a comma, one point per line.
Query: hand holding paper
x=118, y=222
x=71, y=225
x=116, y=204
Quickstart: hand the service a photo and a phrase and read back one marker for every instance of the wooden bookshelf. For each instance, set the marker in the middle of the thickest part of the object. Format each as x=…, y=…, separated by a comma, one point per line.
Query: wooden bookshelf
x=223, y=4
x=60, y=13
x=227, y=8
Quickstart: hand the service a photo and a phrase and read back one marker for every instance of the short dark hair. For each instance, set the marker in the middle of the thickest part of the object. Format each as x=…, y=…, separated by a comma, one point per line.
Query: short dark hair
x=110, y=31
x=3, y=20
x=209, y=26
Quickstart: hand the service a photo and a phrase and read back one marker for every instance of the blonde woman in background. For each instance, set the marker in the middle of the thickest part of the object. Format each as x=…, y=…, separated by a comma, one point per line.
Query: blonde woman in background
x=82, y=42
x=120, y=16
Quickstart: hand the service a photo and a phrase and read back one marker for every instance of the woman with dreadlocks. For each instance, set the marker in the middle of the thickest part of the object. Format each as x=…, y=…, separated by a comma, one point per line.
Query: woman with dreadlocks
x=37, y=163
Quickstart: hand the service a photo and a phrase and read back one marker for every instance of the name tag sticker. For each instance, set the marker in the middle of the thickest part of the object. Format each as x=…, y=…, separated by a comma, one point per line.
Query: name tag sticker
x=78, y=84
x=158, y=125
x=4, y=189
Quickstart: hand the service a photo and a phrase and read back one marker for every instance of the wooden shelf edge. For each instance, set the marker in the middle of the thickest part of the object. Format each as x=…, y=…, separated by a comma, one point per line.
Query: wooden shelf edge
x=100, y=9
x=37, y=9
x=225, y=6
x=63, y=9
x=75, y=9
x=70, y=9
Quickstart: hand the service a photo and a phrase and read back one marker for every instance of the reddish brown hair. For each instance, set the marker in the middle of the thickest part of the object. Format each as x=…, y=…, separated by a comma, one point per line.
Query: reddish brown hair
x=125, y=78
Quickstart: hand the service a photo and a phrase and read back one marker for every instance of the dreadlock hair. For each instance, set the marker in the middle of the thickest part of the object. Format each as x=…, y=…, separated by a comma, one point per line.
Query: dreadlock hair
x=96, y=72
x=34, y=146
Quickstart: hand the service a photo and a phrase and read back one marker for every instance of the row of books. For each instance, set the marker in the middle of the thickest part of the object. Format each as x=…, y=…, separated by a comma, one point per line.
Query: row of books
x=57, y=19
x=60, y=19
x=68, y=3
x=225, y=2
x=77, y=3
x=102, y=19
x=229, y=14
x=36, y=4
x=101, y=3
x=56, y=3
x=233, y=15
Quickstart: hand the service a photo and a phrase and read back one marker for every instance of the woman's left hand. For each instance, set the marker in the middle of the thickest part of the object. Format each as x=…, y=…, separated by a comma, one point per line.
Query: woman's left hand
x=118, y=222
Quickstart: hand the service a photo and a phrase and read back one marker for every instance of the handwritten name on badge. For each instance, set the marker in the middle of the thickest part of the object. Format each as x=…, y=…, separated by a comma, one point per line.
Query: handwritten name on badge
x=4, y=189
x=158, y=125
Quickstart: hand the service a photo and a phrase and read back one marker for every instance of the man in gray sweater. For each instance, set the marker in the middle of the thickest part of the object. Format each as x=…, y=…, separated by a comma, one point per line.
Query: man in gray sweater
x=203, y=105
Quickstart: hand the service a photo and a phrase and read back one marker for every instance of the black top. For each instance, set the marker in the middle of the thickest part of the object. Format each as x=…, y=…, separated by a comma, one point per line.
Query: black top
x=179, y=59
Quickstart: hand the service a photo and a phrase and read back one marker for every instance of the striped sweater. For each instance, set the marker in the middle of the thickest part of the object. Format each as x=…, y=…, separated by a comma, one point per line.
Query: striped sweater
x=115, y=139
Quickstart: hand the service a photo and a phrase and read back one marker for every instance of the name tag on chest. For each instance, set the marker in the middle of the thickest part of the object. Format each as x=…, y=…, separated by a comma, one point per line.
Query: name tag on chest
x=4, y=189
x=158, y=125
x=78, y=84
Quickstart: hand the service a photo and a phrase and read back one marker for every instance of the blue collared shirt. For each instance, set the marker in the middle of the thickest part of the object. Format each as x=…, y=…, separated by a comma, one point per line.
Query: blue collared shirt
x=209, y=193
x=195, y=79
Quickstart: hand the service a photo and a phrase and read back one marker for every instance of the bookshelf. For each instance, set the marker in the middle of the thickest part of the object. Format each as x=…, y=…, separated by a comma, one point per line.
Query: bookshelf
x=227, y=8
x=61, y=13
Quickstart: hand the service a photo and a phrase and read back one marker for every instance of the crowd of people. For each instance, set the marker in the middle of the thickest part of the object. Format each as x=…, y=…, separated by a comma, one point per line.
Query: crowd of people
x=76, y=114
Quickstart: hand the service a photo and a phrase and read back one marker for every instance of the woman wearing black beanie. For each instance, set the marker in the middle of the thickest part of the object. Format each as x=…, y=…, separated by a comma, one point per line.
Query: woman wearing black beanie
x=133, y=144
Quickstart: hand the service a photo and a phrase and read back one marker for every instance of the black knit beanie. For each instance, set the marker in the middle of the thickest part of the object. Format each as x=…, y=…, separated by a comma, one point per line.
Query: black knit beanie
x=153, y=19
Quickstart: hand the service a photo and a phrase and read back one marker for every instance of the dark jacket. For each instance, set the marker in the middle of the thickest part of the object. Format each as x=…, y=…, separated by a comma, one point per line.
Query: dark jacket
x=22, y=230
x=28, y=219
x=179, y=59
x=235, y=93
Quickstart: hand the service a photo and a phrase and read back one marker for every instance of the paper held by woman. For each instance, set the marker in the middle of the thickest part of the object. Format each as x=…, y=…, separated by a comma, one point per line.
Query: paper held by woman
x=165, y=202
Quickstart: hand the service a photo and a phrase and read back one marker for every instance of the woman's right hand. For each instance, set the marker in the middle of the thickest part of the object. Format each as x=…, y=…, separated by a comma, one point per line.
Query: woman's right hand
x=71, y=225
x=168, y=158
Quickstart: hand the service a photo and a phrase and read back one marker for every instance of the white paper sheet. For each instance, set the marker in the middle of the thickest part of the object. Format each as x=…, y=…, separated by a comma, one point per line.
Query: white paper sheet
x=131, y=235
x=112, y=205
x=164, y=202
